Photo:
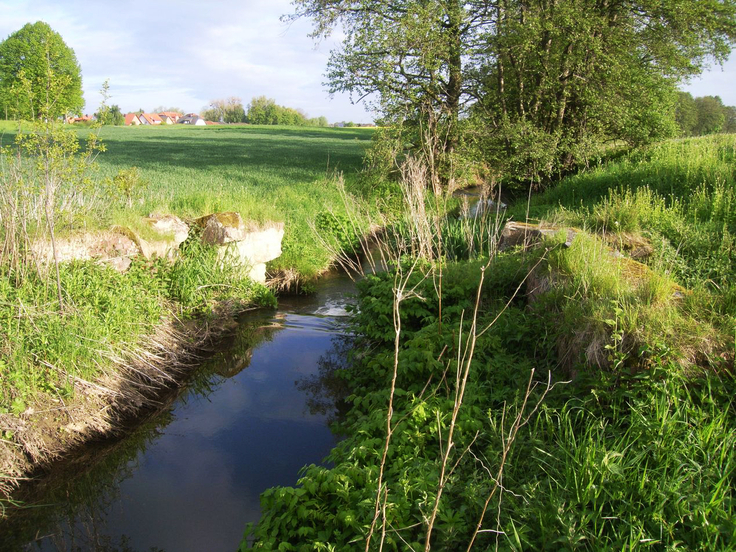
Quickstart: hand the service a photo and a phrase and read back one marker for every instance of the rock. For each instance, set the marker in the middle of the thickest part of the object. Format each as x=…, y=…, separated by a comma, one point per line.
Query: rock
x=636, y=246
x=250, y=245
x=171, y=225
x=111, y=247
x=121, y=264
x=222, y=228
x=258, y=247
x=529, y=235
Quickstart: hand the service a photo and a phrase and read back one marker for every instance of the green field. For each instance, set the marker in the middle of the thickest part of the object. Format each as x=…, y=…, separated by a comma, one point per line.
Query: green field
x=265, y=173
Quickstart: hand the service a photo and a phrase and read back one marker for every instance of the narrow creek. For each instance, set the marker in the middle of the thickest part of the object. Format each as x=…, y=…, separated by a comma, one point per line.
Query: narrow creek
x=189, y=479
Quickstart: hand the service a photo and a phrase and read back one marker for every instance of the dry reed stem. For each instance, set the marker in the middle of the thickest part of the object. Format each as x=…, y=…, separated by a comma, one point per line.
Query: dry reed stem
x=401, y=282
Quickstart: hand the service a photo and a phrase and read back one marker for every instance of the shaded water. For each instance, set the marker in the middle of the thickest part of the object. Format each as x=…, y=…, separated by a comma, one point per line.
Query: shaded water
x=190, y=478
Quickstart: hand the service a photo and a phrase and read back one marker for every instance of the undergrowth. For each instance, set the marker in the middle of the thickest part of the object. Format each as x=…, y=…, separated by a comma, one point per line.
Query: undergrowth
x=108, y=314
x=599, y=409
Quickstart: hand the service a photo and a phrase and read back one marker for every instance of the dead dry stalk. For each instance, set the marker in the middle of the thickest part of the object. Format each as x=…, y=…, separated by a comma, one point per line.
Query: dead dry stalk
x=401, y=281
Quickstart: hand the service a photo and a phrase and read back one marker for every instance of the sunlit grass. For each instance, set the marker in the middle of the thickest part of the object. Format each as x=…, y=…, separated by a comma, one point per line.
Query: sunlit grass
x=266, y=173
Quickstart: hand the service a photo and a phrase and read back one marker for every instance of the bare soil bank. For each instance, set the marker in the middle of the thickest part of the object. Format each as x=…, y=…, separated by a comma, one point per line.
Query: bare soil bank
x=52, y=430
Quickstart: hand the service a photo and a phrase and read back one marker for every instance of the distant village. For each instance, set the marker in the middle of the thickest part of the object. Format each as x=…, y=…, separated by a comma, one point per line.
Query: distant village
x=172, y=118
x=163, y=118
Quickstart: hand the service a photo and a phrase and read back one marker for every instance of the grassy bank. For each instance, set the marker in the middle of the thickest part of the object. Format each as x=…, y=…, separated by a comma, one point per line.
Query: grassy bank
x=566, y=396
x=82, y=351
x=265, y=173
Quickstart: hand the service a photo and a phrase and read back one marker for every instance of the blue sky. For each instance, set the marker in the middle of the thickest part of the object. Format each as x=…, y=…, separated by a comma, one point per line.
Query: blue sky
x=184, y=53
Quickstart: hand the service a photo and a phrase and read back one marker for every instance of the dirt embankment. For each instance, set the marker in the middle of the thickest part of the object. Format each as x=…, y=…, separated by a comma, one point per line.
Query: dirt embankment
x=52, y=428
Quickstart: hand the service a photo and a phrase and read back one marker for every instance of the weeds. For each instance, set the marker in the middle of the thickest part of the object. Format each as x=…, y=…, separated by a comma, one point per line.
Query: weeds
x=636, y=452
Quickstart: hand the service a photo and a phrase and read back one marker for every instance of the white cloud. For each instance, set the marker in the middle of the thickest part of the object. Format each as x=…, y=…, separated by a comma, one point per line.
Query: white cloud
x=184, y=53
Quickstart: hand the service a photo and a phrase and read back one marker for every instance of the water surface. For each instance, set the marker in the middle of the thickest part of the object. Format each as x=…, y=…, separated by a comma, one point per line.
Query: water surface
x=190, y=479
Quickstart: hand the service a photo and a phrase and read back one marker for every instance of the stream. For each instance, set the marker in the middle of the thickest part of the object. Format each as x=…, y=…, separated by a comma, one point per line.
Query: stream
x=189, y=478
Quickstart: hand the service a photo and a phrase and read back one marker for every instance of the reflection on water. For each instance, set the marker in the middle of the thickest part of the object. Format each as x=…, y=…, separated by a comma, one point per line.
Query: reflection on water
x=190, y=478
x=326, y=391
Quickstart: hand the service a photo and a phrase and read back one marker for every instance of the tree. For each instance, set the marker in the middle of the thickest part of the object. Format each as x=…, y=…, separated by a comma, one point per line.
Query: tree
x=686, y=113
x=711, y=115
x=162, y=109
x=554, y=74
x=704, y=115
x=261, y=111
x=318, y=122
x=229, y=110
x=572, y=73
x=111, y=116
x=265, y=111
x=730, y=116
x=30, y=54
x=409, y=59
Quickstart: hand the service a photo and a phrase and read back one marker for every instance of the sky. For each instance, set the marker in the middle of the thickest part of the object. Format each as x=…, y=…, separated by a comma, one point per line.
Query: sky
x=185, y=53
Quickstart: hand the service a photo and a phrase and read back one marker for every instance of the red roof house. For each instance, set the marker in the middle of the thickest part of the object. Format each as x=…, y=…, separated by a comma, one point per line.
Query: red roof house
x=169, y=117
x=150, y=119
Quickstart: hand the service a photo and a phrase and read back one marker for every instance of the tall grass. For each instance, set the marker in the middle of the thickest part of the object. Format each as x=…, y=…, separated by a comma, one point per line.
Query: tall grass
x=265, y=173
x=636, y=452
x=678, y=199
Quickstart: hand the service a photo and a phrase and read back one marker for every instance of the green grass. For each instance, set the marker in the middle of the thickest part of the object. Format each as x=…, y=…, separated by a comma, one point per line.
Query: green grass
x=680, y=196
x=266, y=173
x=106, y=315
x=636, y=451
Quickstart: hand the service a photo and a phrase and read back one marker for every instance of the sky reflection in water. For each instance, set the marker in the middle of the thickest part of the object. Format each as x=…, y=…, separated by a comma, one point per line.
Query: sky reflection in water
x=197, y=484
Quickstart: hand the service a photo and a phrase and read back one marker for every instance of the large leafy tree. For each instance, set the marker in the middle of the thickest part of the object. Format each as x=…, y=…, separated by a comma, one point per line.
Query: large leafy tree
x=568, y=73
x=711, y=115
x=542, y=78
x=407, y=58
x=265, y=111
x=111, y=116
x=229, y=110
x=686, y=113
x=28, y=58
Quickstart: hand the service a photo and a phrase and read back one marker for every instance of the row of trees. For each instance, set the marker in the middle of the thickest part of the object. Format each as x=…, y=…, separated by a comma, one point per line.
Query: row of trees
x=525, y=87
x=704, y=115
x=260, y=111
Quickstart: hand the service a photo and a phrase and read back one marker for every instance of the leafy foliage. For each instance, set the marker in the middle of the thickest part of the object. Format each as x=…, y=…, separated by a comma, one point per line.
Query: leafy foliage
x=33, y=53
x=265, y=111
x=635, y=452
x=229, y=110
x=602, y=466
x=544, y=81
x=127, y=184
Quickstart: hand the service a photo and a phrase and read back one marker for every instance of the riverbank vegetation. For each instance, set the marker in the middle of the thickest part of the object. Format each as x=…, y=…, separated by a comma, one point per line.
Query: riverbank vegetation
x=191, y=172
x=83, y=339
x=557, y=395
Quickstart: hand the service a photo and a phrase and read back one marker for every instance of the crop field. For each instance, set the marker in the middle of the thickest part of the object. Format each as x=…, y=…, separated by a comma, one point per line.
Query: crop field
x=266, y=173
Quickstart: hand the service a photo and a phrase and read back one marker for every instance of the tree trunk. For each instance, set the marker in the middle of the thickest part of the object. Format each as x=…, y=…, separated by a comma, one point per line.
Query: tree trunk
x=455, y=70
